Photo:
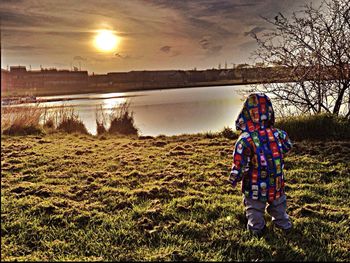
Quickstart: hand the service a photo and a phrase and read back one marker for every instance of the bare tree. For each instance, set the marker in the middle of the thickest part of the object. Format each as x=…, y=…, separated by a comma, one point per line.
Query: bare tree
x=312, y=47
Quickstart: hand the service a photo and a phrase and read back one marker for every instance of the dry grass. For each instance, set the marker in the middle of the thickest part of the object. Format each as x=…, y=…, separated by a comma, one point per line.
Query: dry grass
x=68, y=121
x=229, y=133
x=122, y=121
x=101, y=120
x=21, y=120
x=36, y=120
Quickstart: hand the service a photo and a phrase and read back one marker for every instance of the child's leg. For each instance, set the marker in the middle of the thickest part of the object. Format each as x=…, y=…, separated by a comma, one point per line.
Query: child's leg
x=277, y=210
x=254, y=211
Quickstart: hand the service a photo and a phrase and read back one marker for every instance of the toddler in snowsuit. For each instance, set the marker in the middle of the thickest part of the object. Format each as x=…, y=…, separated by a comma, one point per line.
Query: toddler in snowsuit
x=258, y=162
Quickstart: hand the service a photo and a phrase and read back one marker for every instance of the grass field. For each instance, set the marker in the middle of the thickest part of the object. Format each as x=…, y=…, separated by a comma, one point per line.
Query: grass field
x=79, y=197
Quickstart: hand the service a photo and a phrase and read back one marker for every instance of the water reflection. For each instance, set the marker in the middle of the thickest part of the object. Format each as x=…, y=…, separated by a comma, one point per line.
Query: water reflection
x=167, y=112
x=108, y=104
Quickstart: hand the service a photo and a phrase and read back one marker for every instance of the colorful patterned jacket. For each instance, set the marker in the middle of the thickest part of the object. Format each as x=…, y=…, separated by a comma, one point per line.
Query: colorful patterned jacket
x=259, y=151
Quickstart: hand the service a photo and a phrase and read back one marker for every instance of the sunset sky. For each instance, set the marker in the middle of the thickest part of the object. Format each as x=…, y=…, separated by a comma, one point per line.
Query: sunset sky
x=151, y=34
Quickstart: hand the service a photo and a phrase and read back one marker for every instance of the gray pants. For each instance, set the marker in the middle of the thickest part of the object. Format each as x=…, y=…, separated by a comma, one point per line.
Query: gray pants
x=255, y=211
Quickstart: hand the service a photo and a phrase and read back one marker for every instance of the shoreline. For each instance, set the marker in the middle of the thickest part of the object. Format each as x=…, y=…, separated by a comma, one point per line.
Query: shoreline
x=138, y=89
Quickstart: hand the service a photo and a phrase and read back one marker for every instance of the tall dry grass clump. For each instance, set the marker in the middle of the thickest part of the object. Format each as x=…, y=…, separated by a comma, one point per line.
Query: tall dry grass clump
x=316, y=127
x=49, y=119
x=122, y=120
x=28, y=120
x=101, y=120
x=68, y=121
x=229, y=133
x=21, y=120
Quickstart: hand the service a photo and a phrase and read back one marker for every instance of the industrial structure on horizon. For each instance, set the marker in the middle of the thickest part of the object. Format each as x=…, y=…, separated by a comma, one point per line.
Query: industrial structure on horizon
x=18, y=81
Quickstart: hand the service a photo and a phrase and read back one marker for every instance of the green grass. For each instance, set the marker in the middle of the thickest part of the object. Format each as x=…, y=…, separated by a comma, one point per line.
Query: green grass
x=316, y=127
x=78, y=197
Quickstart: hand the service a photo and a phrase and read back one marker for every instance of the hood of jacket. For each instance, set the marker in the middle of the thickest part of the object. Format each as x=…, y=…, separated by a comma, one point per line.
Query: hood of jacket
x=257, y=112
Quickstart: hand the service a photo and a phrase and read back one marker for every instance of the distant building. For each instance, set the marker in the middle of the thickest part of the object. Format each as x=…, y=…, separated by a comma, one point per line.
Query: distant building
x=5, y=74
x=19, y=81
x=18, y=78
x=245, y=65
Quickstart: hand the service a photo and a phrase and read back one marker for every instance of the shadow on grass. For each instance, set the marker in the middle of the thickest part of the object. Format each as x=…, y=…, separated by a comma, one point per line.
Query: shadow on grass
x=299, y=244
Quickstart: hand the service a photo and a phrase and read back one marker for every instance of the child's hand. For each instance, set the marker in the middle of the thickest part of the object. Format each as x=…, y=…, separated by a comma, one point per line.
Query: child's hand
x=232, y=179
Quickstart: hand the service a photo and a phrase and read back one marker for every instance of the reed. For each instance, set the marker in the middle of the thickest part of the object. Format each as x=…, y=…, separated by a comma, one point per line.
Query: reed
x=122, y=120
x=21, y=120
x=101, y=120
x=68, y=121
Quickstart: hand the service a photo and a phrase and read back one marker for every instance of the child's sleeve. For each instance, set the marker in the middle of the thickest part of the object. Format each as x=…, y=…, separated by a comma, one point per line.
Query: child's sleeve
x=239, y=161
x=285, y=141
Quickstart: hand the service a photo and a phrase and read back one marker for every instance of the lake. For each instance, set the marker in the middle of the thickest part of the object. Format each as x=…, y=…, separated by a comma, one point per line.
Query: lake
x=167, y=111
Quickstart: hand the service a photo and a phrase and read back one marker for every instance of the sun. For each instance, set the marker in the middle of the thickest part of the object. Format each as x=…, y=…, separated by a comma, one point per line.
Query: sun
x=106, y=40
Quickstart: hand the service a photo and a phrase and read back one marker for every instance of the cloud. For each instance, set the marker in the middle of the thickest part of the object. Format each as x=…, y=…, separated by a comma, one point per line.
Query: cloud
x=175, y=53
x=80, y=58
x=248, y=47
x=225, y=6
x=203, y=8
x=11, y=1
x=209, y=26
x=22, y=48
x=215, y=50
x=255, y=30
x=69, y=33
x=118, y=55
x=18, y=19
x=170, y=50
x=165, y=49
x=41, y=30
x=209, y=46
x=204, y=42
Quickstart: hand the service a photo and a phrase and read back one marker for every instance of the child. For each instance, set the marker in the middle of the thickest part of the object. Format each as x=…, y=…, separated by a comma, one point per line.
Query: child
x=258, y=161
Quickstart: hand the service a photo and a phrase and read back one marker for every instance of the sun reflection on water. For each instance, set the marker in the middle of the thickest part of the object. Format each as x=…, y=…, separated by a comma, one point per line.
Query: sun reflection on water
x=112, y=103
